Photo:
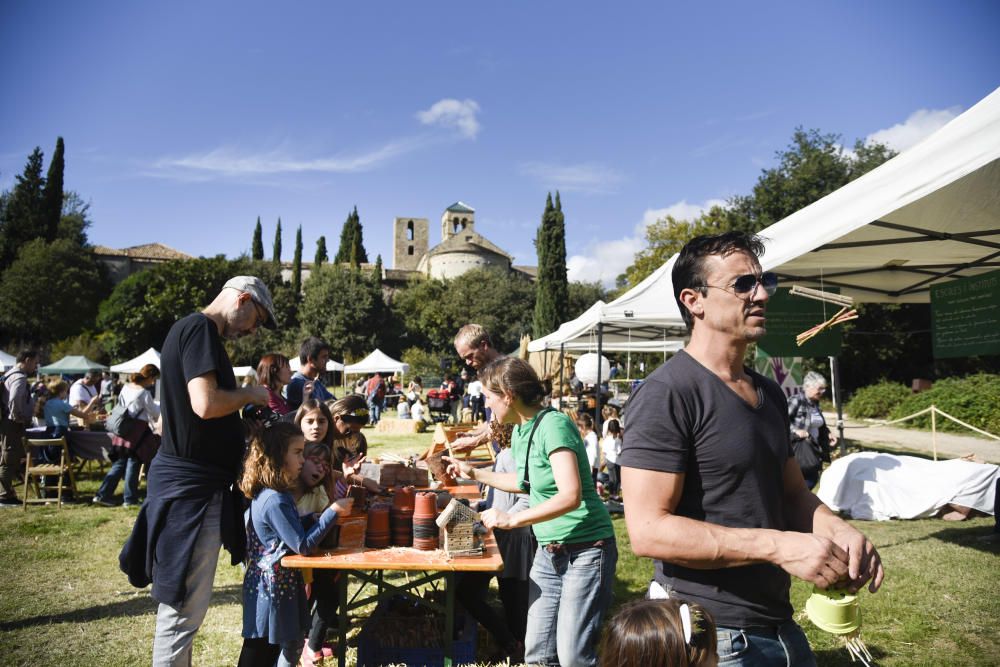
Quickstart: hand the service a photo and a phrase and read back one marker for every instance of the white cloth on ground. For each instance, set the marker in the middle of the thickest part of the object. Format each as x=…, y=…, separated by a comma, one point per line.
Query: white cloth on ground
x=874, y=486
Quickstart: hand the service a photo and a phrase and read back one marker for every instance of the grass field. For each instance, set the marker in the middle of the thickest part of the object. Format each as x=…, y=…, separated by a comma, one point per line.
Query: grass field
x=63, y=600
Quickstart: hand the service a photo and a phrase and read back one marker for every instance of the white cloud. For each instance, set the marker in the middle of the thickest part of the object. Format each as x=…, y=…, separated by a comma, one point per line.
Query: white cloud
x=604, y=261
x=919, y=125
x=228, y=161
x=452, y=113
x=589, y=177
x=682, y=210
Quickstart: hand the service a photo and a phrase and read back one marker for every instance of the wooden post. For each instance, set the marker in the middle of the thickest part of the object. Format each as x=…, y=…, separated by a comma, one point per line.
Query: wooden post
x=934, y=430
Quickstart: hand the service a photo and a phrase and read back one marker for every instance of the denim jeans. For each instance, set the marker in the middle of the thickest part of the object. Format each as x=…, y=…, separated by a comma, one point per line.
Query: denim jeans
x=176, y=626
x=570, y=592
x=783, y=646
x=129, y=467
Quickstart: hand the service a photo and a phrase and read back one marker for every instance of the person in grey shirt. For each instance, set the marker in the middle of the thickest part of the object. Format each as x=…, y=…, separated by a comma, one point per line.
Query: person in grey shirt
x=15, y=416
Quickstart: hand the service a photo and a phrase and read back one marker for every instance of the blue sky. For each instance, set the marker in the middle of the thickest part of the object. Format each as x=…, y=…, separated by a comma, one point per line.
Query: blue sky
x=184, y=121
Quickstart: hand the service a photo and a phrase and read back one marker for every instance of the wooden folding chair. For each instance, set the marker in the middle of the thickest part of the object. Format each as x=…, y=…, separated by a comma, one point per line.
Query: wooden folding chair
x=33, y=470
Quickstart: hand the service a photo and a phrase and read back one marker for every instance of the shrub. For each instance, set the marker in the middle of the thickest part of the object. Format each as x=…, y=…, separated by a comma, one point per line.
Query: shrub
x=974, y=399
x=877, y=401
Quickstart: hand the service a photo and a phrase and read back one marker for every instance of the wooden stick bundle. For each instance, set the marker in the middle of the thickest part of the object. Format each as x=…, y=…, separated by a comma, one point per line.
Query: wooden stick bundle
x=843, y=315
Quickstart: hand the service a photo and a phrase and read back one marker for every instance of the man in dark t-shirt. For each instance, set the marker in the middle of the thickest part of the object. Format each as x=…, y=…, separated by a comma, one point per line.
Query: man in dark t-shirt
x=712, y=490
x=199, y=459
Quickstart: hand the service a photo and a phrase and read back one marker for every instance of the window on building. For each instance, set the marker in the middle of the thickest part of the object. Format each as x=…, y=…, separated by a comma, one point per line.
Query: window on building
x=409, y=250
x=409, y=233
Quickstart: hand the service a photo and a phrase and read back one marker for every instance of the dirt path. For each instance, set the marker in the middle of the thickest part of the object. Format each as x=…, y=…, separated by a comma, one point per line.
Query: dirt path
x=949, y=445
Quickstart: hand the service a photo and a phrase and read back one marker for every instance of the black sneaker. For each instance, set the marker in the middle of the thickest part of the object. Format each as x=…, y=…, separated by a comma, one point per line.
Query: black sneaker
x=10, y=502
x=101, y=501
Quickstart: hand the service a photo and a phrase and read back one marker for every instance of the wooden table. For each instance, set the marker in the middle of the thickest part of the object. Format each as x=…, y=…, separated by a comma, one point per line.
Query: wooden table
x=370, y=565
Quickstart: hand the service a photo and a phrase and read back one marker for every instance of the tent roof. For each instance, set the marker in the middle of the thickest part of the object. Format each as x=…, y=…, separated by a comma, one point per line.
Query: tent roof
x=331, y=365
x=931, y=213
x=72, y=365
x=7, y=361
x=150, y=356
x=377, y=361
x=643, y=319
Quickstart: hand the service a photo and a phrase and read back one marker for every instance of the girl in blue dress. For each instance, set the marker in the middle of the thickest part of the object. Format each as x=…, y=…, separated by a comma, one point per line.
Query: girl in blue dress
x=275, y=617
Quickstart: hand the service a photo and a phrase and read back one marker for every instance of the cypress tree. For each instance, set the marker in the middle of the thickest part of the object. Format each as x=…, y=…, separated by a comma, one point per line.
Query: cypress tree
x=22, y=215
x=321, y=255
x=352, y=249
x=544, y=320
x=257, y=247
x=358, y=254
x=276, y=257
x=52, y=194
x=557, y=248
x=297, y=265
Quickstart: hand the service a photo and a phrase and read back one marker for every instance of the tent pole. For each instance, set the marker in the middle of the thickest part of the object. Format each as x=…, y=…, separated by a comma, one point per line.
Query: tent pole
x=597, y=387
x=562, y=381
x=838, y=402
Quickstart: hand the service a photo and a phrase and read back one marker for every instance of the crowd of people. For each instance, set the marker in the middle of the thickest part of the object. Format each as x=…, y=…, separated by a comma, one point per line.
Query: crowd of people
x=702, y=459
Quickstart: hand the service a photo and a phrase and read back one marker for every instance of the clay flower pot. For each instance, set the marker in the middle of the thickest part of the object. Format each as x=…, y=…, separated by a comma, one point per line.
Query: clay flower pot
x=404, y=498
x=425, y=506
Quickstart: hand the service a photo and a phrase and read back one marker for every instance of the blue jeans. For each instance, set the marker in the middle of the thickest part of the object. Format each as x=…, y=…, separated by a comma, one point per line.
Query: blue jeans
x=570, y=590
x=772, y=647
x=129, y=467
x=375, y=410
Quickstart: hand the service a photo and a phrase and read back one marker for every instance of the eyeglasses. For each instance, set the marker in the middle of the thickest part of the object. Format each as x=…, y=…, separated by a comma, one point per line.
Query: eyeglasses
x=747, y=284
x=261, y=319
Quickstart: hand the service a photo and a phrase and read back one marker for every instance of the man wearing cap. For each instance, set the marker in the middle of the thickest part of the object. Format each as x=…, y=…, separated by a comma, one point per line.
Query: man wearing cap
x=192, y=506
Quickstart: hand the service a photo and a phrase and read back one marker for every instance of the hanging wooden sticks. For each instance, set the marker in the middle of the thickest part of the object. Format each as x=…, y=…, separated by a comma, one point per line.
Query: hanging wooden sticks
x=843, y=315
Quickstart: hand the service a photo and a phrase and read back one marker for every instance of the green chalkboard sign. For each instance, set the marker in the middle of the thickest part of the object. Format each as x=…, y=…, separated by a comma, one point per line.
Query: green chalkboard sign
x=965, y=316
x=788, y=316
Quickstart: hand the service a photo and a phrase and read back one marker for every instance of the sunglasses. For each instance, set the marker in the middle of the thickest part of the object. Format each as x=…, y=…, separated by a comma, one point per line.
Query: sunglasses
x=747, y=284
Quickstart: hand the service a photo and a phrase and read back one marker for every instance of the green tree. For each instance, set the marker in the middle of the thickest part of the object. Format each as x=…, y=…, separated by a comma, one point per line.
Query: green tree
x=74, y=222
x=142, y=308
x=276, y=256
x=51, y=207
x=22, y=212
x=583, y=295
x=352, y=247
x=34, y=310
x=321, y=255
x=297, y=264
x=257, y=247
x=341, y=305
x=551, y=286
x=429, y=311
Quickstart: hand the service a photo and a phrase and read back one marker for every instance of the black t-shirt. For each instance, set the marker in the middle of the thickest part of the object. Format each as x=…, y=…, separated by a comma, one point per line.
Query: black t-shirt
x=194, y=347
x=684, y=419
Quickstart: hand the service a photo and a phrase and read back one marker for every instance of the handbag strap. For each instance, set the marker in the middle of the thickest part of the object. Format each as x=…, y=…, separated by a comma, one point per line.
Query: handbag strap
x=526, y=483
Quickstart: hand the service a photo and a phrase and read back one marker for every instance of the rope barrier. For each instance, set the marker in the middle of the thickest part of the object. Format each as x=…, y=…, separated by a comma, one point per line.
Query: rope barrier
x=934, y=411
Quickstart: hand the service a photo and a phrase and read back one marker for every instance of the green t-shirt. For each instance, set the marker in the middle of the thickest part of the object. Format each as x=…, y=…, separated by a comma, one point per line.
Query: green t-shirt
x=590, y=520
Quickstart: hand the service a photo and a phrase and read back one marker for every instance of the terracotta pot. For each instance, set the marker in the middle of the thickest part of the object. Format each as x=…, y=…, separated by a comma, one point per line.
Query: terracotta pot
x=352, y=531
x=401, y=522
x=404, y=498
x=378, y=518
x=425, y=506
x=360, y=495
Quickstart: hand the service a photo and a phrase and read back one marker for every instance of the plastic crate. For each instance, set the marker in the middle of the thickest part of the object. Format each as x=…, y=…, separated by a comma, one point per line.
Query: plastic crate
x=372, y=652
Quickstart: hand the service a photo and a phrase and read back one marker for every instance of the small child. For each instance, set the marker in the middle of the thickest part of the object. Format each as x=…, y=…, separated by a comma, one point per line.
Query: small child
x=667, y=632
x=274, y=603
x=403, y=408
x=586, y=425
x=611, y=447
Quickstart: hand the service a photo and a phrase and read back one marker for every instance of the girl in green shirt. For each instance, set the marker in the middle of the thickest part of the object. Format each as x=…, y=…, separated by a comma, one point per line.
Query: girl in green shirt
x=574, y=567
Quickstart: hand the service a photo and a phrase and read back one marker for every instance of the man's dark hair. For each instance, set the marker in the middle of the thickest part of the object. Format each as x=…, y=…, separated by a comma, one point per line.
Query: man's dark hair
x=311, y=348
x=689, y=269
x=24, y=355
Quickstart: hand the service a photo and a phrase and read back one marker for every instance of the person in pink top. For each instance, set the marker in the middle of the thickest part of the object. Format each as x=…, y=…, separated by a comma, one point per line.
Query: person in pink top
x=274, y=372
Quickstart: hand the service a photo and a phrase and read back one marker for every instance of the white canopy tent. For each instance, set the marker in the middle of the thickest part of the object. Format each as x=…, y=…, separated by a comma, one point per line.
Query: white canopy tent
x=931, y=213
x=376, y=362
x=7, y=361
x=331, y=365
x=150, y=356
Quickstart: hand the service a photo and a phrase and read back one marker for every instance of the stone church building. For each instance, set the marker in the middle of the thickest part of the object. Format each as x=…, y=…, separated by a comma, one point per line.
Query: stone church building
x=461, y=249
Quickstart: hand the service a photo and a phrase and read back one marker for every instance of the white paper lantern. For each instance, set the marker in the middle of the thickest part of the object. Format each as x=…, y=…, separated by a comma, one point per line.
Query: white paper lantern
x=586, y=368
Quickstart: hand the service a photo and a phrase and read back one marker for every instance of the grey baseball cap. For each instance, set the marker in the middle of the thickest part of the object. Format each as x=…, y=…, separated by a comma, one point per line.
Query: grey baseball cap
x=258, y=291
